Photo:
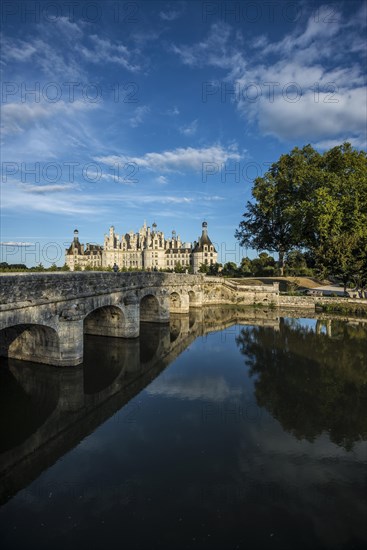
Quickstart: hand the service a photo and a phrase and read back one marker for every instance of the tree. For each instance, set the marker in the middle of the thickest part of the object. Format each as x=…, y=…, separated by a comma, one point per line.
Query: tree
x=275, y=221
x=313, y=202
x=214, y=269
x=343, y=257
x=337, y=213
x=296, y=264
x=230, y=269
x=204, y=268
x=263, y=266
x=246, y=267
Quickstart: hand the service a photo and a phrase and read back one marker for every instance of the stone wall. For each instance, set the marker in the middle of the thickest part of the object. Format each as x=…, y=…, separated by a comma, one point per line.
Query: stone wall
x=227, y=291
x=311, y=301
x=29, y=289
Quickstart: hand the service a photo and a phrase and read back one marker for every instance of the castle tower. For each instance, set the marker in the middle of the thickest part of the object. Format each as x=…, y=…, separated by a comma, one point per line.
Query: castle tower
x=204, y=251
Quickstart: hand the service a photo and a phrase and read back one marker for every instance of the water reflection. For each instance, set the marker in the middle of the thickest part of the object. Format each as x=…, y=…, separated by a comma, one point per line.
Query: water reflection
x=255, y=436
x=311, y=381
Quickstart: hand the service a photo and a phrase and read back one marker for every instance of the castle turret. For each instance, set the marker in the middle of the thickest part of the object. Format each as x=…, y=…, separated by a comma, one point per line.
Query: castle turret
x=204, y=251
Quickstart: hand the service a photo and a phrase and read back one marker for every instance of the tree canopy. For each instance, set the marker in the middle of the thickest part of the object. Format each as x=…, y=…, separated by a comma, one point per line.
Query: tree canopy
x=316, y=203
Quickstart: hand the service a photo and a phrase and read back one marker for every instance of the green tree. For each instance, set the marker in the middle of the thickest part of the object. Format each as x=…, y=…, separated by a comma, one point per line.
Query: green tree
x=245, y=268
x=313, y=202
x=230, y=269
x=343, y=257
x=275, y=221
x=263, y=266
x=337, y=213
x=204, y=268
x=296, y=264
x=214, y=269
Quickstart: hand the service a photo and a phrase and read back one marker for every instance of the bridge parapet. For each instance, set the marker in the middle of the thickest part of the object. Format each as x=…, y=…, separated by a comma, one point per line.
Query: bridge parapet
x=27, y=289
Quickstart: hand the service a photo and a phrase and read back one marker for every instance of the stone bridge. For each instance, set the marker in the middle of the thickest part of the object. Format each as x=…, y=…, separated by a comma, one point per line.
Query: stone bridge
x=43, y=317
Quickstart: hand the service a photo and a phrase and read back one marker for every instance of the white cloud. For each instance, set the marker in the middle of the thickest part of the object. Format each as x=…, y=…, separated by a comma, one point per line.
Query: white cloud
x=219, y=49
x=17, y=197
x=173, y=112
x=359, y=142
x=18, y=117
x=321, y=27
x=54, y=61
x=55, y=188
x=314, y=57
x=17, y=50
x=173, y=13
x=62, y=58
x=15, y=243
x=306, y=118
x=189, y=129
x=139, y=115
x=178, y=159
x=162, y=180
x=134, y=200
x=105, y=51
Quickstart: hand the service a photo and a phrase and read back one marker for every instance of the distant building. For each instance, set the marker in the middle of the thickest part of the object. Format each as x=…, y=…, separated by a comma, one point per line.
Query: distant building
x=148, y=249
x=77, y=255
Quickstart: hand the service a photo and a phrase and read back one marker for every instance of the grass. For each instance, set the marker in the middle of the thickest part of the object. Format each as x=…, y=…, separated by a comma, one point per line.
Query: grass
x=344, y=309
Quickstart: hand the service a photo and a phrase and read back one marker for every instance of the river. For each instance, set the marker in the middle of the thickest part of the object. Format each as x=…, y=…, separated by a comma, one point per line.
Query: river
x=227, y=429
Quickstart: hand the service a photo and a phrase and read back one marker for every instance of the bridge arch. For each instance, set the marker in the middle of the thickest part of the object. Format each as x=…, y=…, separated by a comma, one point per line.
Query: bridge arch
x=106, y=320
x=30, y=342
x=149, y=308
x=191, y=294
x=175, y=302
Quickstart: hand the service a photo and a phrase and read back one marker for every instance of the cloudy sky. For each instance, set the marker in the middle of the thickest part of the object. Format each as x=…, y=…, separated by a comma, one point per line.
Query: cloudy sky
x=118, y=112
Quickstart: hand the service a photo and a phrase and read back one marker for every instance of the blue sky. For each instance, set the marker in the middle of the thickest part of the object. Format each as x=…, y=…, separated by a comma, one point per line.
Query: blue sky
x=164, y=111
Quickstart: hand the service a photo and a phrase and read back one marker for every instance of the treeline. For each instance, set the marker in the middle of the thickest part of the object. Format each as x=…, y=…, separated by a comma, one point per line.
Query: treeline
x=5, y=267
x=316, y=204
x=11, y=268
x=298, y=264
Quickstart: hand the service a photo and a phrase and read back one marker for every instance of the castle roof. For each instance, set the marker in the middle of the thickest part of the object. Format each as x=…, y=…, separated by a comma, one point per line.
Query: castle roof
x=203, y=240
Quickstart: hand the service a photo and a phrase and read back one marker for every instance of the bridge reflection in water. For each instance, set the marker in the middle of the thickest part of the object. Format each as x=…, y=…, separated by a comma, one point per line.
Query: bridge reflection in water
x=254, y=436
x=46, y=411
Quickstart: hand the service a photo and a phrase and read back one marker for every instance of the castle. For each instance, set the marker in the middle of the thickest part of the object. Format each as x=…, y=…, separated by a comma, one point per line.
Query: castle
x=148, y=249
